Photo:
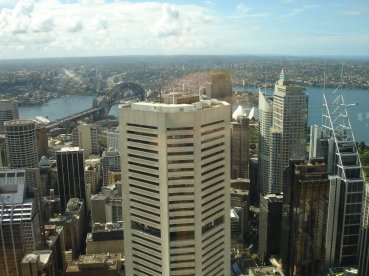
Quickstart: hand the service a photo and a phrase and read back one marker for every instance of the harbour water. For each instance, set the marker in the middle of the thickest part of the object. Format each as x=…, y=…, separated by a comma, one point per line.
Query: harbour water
x=359, y=114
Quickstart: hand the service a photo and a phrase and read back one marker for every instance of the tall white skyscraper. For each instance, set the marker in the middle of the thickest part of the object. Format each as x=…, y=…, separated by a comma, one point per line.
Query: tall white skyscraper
x=175, y=178
x=284, y=137
x=8, y=111
x=265, y=124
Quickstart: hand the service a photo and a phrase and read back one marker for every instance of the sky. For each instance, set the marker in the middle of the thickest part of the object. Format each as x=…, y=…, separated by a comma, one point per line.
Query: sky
x=59, y=28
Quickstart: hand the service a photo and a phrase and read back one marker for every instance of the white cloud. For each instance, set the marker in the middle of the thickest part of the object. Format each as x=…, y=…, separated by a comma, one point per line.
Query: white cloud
x=242, y=8
x=39, y=28
x=54, y=28
x=169, y=24
x=355, y=12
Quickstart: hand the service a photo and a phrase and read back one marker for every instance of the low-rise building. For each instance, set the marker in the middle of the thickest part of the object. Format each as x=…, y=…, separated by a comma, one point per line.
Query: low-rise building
x=95, y=265
x=38, y=263
x=105, y=238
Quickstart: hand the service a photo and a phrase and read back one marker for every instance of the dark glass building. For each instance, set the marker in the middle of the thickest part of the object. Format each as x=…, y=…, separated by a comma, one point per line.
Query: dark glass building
x=71, y=180
x=304, y=217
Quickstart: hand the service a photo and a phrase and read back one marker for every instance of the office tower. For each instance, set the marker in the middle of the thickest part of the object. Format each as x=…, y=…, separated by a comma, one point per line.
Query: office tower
x=73, y=231
x=105, y=237
x=21, y=148
x=76, y=208
x=270, y=222
x=112, y=139
x=265, y=124
x=175, y=179
x=3, y=158
x=42, y=141
x=219, y=85
x=235, y=226
x=335, y=142
x=71, y=175
x=110, y=161
x=45, y=168
x=92, y=179
x=240, y=200
x=240, y=148
x=107, y=205
x=304, y=222
x=85, y=137
x=364, y=237
x=38, y=262
x=282, y=132
x=55, y=242
x=253, y=176
x=8, y=111
x=19, y=221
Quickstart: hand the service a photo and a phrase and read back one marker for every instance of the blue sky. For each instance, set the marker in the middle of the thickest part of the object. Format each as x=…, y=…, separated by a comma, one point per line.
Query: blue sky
x=54, y=28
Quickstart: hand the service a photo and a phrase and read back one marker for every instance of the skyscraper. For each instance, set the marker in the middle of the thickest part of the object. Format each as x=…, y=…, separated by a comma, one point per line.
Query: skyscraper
x=19, y=221
x=282, y=132
x=240, y=148
x=85, y=137
x=21, y=143
x=270, y=222
x=21, y=148
x=219, y=85
x=71, y=175
x=175, y=179
x=304, y=218
x=335, y=142
x=8, y=111
x=110, y=161
x=265, y=124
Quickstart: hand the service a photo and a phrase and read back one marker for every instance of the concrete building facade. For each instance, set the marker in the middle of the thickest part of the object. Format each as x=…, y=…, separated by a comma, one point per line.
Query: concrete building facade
x=85, y=137
x=110, y=161
x=22, y=149
x=175, y=179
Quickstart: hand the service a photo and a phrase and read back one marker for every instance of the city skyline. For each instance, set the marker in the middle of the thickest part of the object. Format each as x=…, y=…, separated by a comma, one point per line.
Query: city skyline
x=40, y=28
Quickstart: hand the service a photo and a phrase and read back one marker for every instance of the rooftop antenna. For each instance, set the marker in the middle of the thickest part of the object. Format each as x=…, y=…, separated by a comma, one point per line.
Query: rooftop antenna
x=324, y=77
x=173, y=77
x=265, y=80
x=160, y=89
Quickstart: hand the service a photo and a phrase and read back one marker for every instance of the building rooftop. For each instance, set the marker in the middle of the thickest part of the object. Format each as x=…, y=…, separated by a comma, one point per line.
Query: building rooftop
x=173, y=108
x=41, y=257
x=74, y=204
x=19, y=122
x=64, y=149
x=240, y=192
x=95, y=262
x=265, y=270
x=12, y=186
x=343, y=271
x=274, y=197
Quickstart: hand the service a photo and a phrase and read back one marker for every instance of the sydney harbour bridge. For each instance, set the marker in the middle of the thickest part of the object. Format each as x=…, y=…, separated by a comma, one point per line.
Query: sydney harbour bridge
x=122, y=91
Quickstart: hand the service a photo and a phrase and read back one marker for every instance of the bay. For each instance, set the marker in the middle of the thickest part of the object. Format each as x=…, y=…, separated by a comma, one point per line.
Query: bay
x=359, y=114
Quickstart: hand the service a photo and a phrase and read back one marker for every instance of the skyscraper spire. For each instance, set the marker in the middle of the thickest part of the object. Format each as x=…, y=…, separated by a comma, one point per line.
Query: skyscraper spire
x=283, y=76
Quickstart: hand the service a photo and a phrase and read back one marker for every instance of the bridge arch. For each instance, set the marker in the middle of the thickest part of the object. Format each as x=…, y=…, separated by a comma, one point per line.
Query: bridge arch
x=127, y=90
